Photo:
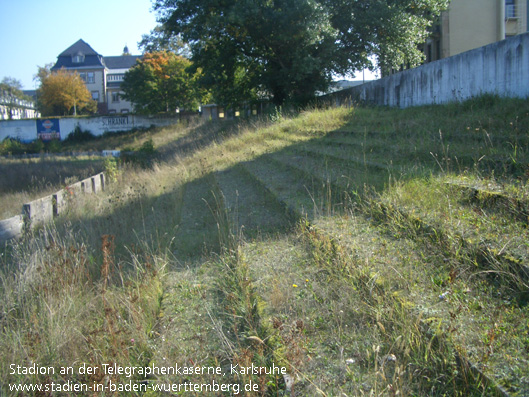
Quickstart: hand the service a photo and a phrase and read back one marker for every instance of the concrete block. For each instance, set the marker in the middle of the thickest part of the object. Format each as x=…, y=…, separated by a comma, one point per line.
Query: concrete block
x=76, y=188
x=38, y=211
x=96, y=184
x=60, y=202
x=11, y=228
x=87, y=186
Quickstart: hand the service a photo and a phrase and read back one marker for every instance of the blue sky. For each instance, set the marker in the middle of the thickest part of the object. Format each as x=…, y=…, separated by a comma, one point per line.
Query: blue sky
x=35, y=32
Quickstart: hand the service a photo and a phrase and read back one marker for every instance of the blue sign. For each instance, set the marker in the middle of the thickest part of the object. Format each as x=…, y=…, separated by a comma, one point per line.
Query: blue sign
x=48, y=129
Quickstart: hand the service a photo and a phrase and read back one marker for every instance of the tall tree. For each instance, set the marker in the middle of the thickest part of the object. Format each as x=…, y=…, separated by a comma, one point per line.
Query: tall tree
x=64, y=93
x=292, y=48
x=11, y=93
x=161, y=40
x=161, y=82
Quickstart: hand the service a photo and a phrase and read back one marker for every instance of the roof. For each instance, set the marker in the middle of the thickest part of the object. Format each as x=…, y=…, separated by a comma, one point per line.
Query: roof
x=92, y=59
x=121, y=62
x=79, y=46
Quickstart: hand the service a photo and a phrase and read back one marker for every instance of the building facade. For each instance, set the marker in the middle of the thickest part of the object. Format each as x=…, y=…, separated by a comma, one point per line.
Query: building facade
x=102, y=75
x=14, y=108
x=469, y=24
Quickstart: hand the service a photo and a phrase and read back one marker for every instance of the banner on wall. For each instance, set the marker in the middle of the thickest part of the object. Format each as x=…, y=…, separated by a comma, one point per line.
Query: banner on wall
x=115, y=122
x=48, y=129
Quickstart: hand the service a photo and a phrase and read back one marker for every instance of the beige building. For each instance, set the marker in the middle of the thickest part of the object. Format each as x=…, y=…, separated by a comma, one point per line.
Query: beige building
x=469, y=24
x=102, y=75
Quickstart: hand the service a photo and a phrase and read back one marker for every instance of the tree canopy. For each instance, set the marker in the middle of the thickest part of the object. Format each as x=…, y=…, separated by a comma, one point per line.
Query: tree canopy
x=63, y=93
x=161, y=82
x=290, y=49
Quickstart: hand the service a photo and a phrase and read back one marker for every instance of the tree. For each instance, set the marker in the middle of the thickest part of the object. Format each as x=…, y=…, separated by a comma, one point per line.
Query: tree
x=160, y=82
x=62, y=92
x=11, y=93
x=161, y=40
x=292, y=48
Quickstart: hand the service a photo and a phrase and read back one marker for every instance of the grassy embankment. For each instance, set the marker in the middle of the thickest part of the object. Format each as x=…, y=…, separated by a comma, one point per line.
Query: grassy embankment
x=369, y=251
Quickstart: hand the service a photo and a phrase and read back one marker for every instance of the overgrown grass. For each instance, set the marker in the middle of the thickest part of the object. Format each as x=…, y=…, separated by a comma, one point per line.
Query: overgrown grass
x=24, y=180
x=367, y=251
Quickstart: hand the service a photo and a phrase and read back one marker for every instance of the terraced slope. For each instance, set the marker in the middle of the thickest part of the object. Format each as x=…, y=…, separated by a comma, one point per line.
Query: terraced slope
x=366, y=251
x=420, y=288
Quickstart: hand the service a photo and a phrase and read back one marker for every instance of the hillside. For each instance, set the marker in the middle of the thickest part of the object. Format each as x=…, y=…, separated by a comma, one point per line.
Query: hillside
x=366, y=251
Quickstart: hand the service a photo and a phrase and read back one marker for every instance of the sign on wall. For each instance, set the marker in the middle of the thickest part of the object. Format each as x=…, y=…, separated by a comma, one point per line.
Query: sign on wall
x=48, y=129
x=115, y=122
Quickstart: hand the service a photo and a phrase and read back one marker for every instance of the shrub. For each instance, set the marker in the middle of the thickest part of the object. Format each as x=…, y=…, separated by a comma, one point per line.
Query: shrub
x=36, y=146
x=143, y=157
x=78, y=135
x=12, y=146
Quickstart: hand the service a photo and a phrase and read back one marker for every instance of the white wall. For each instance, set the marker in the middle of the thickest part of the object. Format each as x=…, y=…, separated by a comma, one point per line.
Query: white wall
x=500, y=68
x=26, y=130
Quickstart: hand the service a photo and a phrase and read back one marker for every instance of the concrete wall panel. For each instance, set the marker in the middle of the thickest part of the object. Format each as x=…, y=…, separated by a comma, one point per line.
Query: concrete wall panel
x=500, y=68
x=11, y=228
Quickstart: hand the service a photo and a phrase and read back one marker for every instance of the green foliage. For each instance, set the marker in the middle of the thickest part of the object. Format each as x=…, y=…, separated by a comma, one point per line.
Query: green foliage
x=143, y=157
x=291, y=49
x=161, y=40
x=11, y=146
x=111, y=169
x=161, y=82
x=78, y=135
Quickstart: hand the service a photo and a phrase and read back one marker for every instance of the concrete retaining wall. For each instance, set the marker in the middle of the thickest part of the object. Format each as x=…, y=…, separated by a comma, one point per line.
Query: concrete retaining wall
x=26, y=130
x=11, y=228
x=43, y=210
x=500, y=68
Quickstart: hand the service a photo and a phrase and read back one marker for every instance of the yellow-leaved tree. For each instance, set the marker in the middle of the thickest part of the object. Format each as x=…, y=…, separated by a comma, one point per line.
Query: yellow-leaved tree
x=64, y=93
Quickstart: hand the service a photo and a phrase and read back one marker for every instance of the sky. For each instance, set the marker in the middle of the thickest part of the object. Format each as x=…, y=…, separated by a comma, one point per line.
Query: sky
x=35, y=32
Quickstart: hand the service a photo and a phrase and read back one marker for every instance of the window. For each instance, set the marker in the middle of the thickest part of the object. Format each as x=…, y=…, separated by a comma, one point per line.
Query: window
x=510, y=9
x=78, y=58
x=90, y=78
x=95, y=95
x=83, y=76
x=115, y=97
x=124, y=110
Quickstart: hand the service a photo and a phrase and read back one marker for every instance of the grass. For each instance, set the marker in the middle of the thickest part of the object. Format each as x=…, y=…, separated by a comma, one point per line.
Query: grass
x=367, y=251
x=25, y=180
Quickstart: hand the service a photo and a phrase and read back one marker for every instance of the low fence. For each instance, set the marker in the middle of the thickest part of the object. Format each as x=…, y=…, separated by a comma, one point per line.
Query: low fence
x=43, y=210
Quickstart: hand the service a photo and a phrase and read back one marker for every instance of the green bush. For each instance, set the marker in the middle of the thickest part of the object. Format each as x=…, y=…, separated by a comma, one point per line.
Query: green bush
x=36, y=146
x=143, y=157
x=12, y=146
x=78, y=135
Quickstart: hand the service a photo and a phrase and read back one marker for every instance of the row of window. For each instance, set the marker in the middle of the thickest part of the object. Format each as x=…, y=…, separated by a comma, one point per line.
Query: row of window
x=115, y=77
x=89, y=77
x=115, y=96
